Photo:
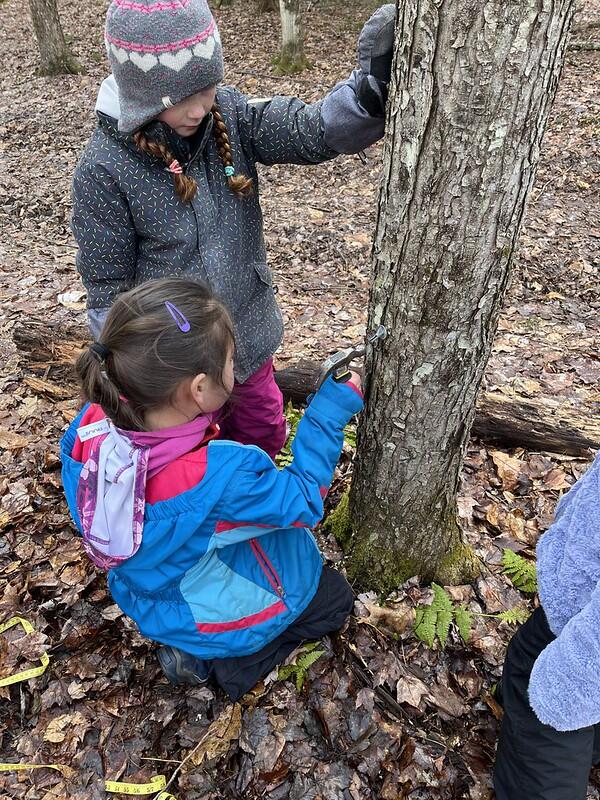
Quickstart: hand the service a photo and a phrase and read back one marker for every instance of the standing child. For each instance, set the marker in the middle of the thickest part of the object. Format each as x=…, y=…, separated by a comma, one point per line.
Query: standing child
x=168, y=186
x=550, y=734
x=208, y=545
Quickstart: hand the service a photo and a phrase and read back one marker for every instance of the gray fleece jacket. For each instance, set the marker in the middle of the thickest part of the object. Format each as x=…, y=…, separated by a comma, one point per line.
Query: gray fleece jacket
x=131, y=226
x=564, y=688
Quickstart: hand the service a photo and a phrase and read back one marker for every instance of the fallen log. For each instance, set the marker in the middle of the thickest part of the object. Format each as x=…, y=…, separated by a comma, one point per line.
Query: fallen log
x=509, y=420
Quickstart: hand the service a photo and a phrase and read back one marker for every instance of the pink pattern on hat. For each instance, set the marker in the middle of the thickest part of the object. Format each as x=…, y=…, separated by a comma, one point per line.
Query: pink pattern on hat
x=144, y=8
x=163, y=48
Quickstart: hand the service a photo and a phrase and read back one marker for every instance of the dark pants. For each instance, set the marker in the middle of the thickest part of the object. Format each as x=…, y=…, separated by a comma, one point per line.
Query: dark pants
x=326, y=613
x=535, y=761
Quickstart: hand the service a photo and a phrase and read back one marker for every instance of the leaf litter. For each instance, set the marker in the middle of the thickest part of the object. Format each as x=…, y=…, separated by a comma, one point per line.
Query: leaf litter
x=379, y=713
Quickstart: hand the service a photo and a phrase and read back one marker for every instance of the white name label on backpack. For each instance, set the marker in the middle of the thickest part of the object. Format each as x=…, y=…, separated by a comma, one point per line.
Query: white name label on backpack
x=92, y=430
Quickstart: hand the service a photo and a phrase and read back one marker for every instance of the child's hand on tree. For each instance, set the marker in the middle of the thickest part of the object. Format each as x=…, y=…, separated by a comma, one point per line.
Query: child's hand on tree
x=356, y=380
x=375, y=51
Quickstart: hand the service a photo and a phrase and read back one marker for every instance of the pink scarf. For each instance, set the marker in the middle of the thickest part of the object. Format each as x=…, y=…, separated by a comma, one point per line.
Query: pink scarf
x=111, y=495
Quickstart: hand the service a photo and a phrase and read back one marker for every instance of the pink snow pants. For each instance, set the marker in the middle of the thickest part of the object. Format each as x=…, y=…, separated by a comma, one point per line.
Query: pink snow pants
x=255, y=414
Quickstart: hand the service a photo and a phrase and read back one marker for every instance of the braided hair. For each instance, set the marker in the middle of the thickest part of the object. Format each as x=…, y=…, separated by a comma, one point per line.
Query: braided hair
x=185, y=186
x=239, y=184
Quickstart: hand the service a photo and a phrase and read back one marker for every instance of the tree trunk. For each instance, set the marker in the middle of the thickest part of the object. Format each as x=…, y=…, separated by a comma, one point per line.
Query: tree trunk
x=471, y=92
x=55, y=58
x=267, y=5
x=292, y=58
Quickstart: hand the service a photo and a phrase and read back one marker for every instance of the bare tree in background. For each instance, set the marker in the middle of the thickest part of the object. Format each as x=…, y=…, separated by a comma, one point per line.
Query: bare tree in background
x=292, y=57
x=55, y=56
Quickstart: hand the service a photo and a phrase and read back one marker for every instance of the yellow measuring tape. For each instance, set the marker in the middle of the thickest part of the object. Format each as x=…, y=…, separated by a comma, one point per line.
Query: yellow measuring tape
x=28, y=673
x=66, y=772
x=157, y=783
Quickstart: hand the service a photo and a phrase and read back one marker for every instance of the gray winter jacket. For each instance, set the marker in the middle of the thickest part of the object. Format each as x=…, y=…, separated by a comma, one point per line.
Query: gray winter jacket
x=131, y=226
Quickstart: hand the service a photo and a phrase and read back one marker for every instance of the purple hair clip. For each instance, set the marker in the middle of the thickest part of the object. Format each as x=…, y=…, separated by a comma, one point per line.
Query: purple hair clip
x=180, y=318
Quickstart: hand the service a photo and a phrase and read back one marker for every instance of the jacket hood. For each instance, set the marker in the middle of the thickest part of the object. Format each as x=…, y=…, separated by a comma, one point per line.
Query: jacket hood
x=76, y=477
x=107, y=102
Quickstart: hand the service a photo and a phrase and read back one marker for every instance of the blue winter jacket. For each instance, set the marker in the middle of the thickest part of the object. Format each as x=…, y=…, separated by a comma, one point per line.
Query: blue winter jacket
x=225, y=567
x=564, y=688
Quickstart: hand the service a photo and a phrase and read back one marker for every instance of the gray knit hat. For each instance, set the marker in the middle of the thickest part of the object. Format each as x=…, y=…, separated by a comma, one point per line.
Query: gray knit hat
x=161, y=51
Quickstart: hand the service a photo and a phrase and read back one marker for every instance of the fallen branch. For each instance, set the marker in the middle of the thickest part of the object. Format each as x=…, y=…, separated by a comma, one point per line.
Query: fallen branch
x=540, y=424
x=510, y=420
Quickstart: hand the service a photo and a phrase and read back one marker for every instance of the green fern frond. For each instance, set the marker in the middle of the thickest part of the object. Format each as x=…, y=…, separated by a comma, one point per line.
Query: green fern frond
x=515, y=616
x=522, y=573
x=304, y=661
x=293, y=417
x=308, y=659
x=286, y=672
x=424, y=628
x=463, y=620
x=442, y=625
x=350, y=435
x=435, y=620
x=441, y=599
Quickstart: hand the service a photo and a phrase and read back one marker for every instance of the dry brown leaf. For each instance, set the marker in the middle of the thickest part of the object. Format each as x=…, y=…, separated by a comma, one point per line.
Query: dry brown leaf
x=508, y=468
x=446, y=700
x=60, y=727
x=395, y=620
x=76, y=690
x=225, y=729
x=16, y=500
x=411, y=690
x=112, y=613
x=556, y=479
x=9, y=440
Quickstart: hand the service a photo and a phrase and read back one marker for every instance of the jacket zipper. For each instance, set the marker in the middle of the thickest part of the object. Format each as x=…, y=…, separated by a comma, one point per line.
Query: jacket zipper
x=267, y=567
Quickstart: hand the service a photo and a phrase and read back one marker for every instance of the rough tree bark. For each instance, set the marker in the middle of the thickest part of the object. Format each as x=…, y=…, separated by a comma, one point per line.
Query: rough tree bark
x=292, y=58
x=472, y=87
x=55, y=57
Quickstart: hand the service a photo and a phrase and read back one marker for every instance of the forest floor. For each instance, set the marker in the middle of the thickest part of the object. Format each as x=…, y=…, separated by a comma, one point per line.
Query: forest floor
x=381, y=715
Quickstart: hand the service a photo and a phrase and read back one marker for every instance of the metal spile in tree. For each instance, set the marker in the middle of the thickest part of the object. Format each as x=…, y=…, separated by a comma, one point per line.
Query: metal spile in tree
x=471, y=91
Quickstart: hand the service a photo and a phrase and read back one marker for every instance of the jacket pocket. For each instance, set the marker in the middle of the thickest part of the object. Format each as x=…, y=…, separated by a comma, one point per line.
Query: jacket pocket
x=267, y=567
x=248, y=287
x=222, y=599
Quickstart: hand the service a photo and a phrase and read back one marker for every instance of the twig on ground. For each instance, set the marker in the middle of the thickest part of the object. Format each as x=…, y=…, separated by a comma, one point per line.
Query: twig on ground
x=179, y=768
x=583, y=46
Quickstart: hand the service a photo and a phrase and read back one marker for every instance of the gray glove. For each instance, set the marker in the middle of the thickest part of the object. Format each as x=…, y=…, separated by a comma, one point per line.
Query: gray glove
x=375, y=52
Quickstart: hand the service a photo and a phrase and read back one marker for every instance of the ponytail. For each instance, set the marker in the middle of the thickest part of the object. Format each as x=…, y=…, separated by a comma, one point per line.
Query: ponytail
x=100, y=389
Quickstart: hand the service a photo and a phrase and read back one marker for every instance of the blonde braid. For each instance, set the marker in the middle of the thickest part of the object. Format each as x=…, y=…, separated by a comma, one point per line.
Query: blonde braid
x=239, y=184
x=184, y=185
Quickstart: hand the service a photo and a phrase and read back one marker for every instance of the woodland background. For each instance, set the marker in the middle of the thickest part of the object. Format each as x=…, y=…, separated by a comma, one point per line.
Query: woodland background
x=380, y=714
